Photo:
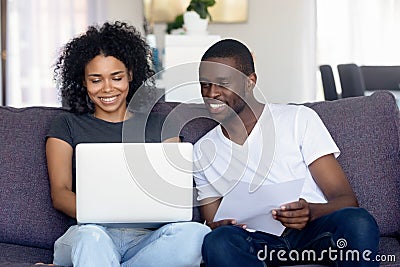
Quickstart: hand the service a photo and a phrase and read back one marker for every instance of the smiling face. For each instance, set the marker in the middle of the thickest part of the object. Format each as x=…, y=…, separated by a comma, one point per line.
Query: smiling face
x=223, y=87
x=107, y=82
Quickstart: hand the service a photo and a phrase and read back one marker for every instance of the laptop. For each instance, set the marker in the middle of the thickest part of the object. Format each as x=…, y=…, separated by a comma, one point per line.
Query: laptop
x=134, y=184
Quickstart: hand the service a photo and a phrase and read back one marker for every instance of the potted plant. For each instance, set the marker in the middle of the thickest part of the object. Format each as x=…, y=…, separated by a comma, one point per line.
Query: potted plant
x=196, y=16
x=195, y=19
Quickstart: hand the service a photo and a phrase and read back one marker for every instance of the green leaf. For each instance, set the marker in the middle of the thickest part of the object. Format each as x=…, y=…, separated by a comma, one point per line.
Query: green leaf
x=201, y=7
x=176, y=24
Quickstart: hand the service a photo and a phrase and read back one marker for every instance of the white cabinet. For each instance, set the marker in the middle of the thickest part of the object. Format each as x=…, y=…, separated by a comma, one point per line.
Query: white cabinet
x=181, y=60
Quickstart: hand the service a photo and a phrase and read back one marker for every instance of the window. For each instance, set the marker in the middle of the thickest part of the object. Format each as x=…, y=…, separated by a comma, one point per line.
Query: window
x=364, y=32
x=35, y=31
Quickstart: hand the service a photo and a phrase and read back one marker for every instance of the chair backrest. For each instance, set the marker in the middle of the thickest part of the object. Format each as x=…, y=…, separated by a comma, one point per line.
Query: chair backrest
x=381, y=77
x=351, y=80
x=328, y=82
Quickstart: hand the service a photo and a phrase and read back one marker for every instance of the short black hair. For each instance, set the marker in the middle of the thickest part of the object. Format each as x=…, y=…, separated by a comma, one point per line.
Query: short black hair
x=117, y=39
x=233, y=49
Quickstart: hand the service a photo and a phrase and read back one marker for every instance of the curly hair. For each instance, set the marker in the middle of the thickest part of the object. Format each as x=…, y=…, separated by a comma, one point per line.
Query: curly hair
x=117, y=39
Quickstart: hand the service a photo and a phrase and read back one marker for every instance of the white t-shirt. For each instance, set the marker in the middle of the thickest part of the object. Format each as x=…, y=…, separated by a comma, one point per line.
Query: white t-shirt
x=285, y=140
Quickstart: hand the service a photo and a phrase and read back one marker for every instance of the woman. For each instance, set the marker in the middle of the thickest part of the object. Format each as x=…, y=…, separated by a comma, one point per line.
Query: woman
x=98, y=73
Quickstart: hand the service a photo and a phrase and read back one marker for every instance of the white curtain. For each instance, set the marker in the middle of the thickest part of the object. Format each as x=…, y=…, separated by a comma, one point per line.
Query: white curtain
x=36, y=29
x=365, y=32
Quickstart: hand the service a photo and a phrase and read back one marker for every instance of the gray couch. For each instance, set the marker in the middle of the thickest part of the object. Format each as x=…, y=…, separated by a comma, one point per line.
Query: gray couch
x=366, y=129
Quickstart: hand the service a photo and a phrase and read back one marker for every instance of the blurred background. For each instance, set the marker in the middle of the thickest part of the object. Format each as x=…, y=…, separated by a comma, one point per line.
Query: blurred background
x=290, y=39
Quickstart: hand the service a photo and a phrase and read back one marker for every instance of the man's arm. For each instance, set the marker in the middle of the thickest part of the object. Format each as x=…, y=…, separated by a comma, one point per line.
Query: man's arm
x=330, y=177
x=209, y=207
x=59, y=164
x=172, y=140
x=333, y=182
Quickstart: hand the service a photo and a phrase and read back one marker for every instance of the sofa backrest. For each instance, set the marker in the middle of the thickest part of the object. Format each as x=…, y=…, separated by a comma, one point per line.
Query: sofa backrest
x=26, y=213
x=366, y=130
x=194, y=119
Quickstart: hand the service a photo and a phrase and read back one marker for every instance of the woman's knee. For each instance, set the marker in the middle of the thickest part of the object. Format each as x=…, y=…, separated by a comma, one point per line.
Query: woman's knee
x=92, y=235
x=194, y=228
x=188, y=238
x=186, y=230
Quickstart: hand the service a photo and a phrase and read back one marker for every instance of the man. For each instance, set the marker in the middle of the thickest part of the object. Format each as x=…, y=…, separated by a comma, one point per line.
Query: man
x=323, y=224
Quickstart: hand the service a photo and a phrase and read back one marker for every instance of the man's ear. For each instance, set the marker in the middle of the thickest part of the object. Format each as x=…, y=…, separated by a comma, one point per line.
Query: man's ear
x=251, y=81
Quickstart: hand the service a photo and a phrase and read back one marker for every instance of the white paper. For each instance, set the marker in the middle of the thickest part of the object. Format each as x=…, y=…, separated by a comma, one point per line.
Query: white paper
x=254, y=208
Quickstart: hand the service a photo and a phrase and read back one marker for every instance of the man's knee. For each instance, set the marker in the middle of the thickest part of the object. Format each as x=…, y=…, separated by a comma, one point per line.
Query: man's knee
x=230, y=246
x=223, y=239
x=358, y=227
x=358, y=219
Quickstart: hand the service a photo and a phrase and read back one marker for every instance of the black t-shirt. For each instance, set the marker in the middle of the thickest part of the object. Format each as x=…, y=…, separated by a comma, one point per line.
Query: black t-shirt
x=75, y=129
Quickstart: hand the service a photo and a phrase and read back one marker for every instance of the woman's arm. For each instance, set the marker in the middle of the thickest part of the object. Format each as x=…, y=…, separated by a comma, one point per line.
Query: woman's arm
x=59, y=164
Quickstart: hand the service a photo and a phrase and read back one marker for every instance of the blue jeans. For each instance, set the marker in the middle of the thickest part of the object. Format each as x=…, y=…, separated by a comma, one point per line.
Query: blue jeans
x=335, y=239
x=175, y=244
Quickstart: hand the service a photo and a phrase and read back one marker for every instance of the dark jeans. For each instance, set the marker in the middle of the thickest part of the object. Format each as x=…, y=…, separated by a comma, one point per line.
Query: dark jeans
x=347, y=237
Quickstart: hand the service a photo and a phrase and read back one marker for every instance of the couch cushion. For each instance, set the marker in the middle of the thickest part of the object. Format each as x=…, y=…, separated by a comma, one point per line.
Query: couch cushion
x=26, y=213
x=17, y=255
x=389, y=251
x=366, y=129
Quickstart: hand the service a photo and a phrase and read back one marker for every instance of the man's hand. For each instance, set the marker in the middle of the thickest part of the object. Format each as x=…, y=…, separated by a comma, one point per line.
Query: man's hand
x=293, y=215
x=217, y=224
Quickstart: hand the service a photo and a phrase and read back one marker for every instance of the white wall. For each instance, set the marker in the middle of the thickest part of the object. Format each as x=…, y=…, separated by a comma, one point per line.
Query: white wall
x=281, y=33
x=130, y=11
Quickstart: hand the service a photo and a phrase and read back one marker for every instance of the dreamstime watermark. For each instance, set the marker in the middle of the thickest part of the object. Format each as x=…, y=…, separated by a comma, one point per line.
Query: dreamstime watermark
x=331, y=254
